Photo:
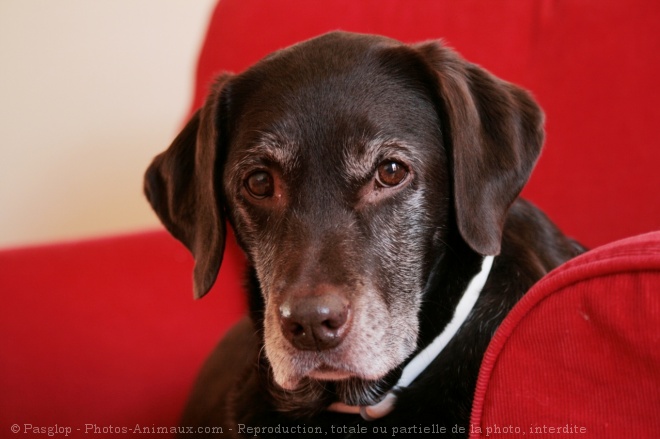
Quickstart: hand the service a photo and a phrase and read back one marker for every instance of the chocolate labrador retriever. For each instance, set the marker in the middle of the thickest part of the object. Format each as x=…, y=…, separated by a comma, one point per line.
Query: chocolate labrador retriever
x=373, y=186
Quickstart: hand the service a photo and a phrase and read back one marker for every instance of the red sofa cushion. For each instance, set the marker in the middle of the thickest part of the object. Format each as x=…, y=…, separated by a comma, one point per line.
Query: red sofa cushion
x=104, y=332
x=580, y=352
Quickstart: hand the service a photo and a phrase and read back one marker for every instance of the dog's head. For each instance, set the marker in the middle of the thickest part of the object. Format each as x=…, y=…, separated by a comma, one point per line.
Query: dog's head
x=343, y=164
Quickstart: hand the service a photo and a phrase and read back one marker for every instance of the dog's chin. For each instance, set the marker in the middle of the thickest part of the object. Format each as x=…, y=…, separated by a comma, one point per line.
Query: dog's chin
x=325, y=384
x=311, y=397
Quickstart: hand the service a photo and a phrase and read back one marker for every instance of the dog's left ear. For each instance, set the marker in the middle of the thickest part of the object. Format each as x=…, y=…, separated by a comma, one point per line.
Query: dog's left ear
x=181, y=185
x=495, y=135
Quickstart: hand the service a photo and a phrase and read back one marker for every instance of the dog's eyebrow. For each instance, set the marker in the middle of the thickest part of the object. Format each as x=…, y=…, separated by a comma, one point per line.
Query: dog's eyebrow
x=272, y=148
x=360, y=161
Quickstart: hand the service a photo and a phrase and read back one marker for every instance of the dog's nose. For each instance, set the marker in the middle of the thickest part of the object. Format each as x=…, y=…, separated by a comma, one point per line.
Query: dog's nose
x=315, y=322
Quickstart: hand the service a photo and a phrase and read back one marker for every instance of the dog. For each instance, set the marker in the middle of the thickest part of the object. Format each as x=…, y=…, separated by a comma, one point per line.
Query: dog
x=374, y=188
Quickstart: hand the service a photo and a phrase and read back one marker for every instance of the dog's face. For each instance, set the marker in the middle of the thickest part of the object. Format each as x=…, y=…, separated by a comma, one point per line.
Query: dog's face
x=334, y=182
x=343, y=163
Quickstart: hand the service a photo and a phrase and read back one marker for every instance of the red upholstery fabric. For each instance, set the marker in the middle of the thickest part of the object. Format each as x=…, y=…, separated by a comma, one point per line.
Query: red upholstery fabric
x=105, y=332
x=580, y=352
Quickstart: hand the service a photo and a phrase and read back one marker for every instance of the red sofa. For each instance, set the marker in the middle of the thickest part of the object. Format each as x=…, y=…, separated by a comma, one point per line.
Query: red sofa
x=104, y=336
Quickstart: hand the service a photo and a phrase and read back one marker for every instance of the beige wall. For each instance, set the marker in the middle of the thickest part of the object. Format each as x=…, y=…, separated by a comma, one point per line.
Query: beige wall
x=90, y=91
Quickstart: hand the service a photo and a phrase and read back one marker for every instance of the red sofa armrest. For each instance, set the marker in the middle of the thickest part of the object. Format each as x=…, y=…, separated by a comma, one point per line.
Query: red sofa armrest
x=580, y=353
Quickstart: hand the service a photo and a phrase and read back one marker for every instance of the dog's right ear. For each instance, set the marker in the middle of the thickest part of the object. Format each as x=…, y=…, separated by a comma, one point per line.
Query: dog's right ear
x=182, y=185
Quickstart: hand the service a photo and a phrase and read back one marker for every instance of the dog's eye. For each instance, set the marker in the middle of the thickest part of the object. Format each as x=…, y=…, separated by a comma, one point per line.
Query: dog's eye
x=260, y=184
x=391, y=173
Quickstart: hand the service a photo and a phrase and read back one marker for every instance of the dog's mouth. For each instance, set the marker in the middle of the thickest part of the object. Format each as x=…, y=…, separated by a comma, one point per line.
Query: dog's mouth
x=318, y=371
x=323, y=367
x=325, y=372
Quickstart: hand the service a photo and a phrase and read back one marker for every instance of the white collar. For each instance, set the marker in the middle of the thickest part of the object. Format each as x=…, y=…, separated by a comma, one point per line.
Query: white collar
x=421, y=361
